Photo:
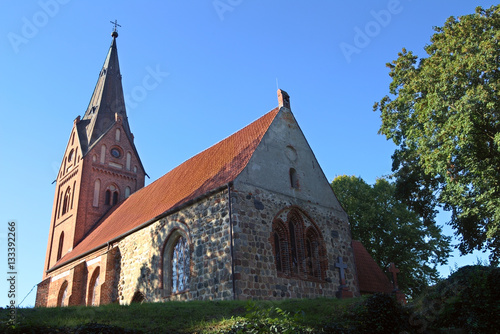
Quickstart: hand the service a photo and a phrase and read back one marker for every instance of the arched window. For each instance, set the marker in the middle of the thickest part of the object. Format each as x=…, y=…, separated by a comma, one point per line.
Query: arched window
x=298, y=251
x=93, y=298
x=66, y=200
x=277, y=247
x=294, y=180
x=63, y=295
x=281, y=250
x=111, y=195
x=60, y=246
x=293, y=248
x=107, y=198
x=313, y=260
x=176, y=264
x=127, y=192
x=117, y=135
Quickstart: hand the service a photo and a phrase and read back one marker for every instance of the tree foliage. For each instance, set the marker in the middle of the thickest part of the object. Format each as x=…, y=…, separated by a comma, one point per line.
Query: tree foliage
x=393, y=233
x=444, y=116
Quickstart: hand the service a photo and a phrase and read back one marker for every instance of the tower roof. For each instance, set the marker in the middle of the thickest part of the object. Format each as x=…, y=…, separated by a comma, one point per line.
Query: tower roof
x=107, y=102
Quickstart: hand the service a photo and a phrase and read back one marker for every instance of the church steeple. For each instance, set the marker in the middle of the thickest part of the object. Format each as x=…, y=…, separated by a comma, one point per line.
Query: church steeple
x=107, y=102
x=100, y=167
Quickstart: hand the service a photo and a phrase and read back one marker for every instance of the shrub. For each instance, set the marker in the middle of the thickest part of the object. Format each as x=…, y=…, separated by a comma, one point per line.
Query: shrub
x=380, y=313
x=468, y=299
x=268, y=320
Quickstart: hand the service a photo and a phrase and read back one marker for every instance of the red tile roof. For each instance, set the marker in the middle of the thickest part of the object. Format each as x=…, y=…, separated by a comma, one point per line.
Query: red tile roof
x=206, y=171
x=371, y=278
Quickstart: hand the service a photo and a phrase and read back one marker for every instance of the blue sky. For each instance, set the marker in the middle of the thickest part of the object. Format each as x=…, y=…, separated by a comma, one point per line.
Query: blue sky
x=194, y=73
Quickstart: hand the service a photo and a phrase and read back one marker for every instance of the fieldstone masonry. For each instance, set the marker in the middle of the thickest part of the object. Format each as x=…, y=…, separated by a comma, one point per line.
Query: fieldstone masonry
x=206, y=224
x=254, y=210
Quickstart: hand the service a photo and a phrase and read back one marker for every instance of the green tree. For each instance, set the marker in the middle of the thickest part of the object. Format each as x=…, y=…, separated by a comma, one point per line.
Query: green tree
x=391, y=232
x=444, y=116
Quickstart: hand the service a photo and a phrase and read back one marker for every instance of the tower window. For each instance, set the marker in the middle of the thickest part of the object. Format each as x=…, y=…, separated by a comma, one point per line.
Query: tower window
x=117, y=135
x=111, y=195
x=116, y=152
x=294, y=180
x=66, y=200
x=107, y=198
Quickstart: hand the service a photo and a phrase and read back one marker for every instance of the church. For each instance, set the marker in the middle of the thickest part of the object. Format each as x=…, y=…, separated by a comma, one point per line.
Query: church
x=251, y=217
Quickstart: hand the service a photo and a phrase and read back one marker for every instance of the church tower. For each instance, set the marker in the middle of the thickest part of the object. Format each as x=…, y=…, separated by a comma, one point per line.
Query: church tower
x=100, y=167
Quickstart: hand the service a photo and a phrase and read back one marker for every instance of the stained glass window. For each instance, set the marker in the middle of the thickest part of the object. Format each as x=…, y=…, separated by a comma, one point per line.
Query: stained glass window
x=180, y=266
x=94, y=291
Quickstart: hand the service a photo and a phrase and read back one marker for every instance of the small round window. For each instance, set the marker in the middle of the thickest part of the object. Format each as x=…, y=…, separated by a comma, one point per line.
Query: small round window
x=115, y=152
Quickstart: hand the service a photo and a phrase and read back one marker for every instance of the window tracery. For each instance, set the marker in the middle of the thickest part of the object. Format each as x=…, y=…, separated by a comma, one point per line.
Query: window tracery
x=176, y=264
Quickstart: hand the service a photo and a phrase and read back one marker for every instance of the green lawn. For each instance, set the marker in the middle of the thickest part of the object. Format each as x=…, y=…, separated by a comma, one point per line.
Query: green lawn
x=180, y=317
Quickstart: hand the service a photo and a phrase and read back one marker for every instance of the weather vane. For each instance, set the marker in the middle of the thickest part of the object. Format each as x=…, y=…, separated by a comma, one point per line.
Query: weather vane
x=116, y=25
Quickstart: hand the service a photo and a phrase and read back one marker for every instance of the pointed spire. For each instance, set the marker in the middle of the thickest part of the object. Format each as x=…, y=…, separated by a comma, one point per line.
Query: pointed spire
x=107, y=103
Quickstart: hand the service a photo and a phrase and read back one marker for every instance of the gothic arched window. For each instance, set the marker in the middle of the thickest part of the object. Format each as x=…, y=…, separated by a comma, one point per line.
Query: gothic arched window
x=281, y=254
x=107, y=197
x=176, y=264
x=180, y=266
x=298, y=251
x=66, y=200
x=111, y=195
x=277, y=247
x=313, y=254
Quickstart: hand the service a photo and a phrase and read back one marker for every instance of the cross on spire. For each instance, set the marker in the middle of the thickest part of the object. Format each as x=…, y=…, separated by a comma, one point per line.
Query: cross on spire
x=115, y=25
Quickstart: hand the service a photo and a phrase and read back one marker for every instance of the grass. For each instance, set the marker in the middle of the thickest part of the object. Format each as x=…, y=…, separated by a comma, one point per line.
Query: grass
x=178, y=317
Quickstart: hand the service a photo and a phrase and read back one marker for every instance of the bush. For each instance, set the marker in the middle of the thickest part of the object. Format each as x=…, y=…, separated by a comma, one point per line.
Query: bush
x=381, y=313
x=468, y=299
x=268, y=320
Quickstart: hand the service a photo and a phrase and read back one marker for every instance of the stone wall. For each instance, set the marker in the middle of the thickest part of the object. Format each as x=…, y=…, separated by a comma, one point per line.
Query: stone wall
x=206, y=226
x=254, y=210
